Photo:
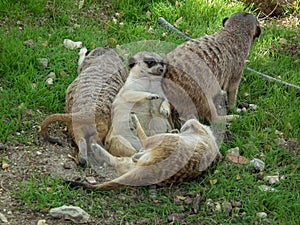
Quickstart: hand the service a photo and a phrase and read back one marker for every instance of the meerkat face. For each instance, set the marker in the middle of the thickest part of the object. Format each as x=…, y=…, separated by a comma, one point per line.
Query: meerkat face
x=147, y=63
x=244, y=21
x=194, y=126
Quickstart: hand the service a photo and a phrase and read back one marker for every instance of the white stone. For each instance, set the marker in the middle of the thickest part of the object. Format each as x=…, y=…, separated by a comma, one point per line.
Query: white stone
x=261, y=215
x=3, y=218
x=74, y=213
x=72, y=44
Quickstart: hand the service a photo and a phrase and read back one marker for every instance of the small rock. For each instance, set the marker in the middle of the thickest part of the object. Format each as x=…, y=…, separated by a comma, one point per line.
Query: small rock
x=72, y=44
x=73, y=213
x=3, y=218
x=42, y=222
x=237, y=204
x=28, y=43
x=261, y=215
x=5, y=165
x=253, y=106
x=257, y=164
x=272, y=179
x=227, y=206
x=3, y=146
x=176, y=217
x=44, y=62
x=218, y=207
x=283, y=41
x=266, y=188
x=51, y=75
x=67, y=165
x=238, y=110
x=234, y=151
x=49, y=81
x=244, y=109
x=91, y=180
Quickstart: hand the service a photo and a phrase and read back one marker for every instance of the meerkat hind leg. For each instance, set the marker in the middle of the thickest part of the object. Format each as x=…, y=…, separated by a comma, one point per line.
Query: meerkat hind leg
x=82, y=153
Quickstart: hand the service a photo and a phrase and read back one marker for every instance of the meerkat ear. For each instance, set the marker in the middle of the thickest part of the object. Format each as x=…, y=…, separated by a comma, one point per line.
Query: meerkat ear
x=224, y=21
x=131, y=62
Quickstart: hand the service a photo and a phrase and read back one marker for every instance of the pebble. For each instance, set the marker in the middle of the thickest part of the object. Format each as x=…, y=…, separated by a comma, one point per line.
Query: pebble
x=234, y=151
x=44, y=62
x=51, y=75
x=91, y=180
x=28, y=43
x=273, y=179
x=42, y=222
x=3, y=218
x=261, y=215
x=266, y=188
x=257, y=164
x=72, y=44
x=3, y=146
x=73, y=213
x=49, y=81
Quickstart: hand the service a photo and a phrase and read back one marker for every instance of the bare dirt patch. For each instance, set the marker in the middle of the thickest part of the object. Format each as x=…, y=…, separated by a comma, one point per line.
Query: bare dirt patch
x=21, y=163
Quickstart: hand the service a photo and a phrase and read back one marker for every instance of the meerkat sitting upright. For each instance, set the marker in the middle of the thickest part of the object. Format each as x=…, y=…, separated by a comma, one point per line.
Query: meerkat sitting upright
x=166, y=158
x=141, y=94
x=89, y=100
x=199, y=69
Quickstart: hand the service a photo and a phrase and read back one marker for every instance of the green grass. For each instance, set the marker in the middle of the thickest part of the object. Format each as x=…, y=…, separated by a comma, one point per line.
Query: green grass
x=23, y=88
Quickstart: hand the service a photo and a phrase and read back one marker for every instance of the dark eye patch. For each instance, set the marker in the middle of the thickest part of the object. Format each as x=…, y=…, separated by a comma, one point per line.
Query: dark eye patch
x=150, y=63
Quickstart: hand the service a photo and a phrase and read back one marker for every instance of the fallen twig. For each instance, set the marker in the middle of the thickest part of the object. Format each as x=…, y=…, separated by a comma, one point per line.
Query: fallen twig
x=165, y=24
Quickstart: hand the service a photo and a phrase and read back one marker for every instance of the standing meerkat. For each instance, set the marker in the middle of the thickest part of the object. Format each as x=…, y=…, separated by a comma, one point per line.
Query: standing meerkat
x=166, y=158
x=141, y=94
x=89, y=99
x=199, y=69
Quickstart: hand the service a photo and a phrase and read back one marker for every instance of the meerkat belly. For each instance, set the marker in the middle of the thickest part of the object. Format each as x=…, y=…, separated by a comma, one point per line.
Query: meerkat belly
x=152, y=121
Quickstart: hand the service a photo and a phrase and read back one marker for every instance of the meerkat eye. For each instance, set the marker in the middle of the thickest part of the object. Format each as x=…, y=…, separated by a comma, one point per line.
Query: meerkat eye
x=150, y=63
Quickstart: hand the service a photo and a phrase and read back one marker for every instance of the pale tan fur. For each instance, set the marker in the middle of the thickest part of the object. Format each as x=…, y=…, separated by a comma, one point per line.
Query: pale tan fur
x=141, y=94
x=89, y=99
x=166, y=158
x=199, y=69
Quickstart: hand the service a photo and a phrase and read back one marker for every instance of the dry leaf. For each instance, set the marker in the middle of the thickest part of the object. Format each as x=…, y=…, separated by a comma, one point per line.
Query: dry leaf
x=181, y=198
x=237, y=159
x=5, y=165
x=212, y=182
x=45, y=44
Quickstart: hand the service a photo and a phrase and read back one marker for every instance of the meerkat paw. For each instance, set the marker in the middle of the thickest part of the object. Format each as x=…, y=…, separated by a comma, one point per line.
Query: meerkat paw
x=152, y=97
x=165, y=108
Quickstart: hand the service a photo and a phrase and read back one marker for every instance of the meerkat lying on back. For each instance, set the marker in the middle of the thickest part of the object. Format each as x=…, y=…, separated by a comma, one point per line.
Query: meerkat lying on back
x=89, y=99
x=141, y=94
x=199, y=69
x=166, y=158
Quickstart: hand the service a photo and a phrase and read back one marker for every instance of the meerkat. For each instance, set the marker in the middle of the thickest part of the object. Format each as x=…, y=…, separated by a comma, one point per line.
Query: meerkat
x=89, y=100
x=200, y=70
x=141, y=94
x=166, y=158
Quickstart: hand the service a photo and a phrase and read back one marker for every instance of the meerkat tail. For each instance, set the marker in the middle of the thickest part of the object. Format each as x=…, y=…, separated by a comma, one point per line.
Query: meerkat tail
x=140, y=131
x=65, y=118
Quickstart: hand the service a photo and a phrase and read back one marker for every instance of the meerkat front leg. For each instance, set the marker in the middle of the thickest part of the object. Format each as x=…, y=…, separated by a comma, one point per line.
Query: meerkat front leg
x=136, y=96
x=232, y=93
x=165, y=108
